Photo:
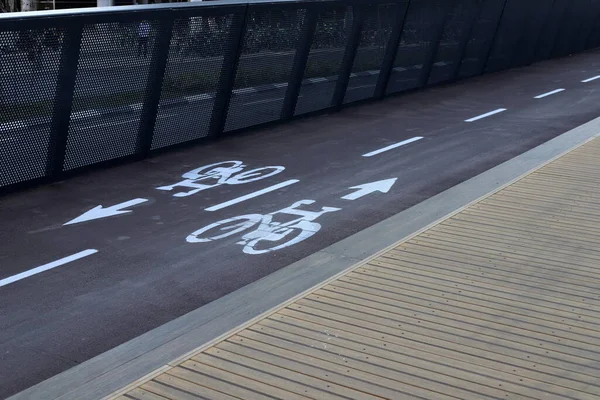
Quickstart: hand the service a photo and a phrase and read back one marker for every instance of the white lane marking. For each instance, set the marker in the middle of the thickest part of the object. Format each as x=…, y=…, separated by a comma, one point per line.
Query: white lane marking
x=360, y=87
x=541, y=96
x=46, y=267
x=280, y=85
x=392, y=146
x=7, y=126
x=198, y=97
x=110, y=124
x=263, y=101
x=317, y=80
x=84, y=114
x=245, y=90
x=591, y=79
x=252, y=195
x=486, y=115
x=102, y=212
x=383, y=186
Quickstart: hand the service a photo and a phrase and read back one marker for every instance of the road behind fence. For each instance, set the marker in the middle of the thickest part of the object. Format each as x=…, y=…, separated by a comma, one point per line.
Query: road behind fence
x=70, y=80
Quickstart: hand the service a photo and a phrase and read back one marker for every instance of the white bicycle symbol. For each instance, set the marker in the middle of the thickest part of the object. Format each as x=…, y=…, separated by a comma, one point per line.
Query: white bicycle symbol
x=226, y=172
x=294, y=231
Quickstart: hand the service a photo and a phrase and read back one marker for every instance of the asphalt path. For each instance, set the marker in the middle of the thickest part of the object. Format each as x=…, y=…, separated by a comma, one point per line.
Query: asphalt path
x=111, y=279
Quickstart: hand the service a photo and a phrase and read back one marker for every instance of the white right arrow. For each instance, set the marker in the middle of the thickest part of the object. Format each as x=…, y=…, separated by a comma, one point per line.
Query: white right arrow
x=101, y=212
x=366, y=188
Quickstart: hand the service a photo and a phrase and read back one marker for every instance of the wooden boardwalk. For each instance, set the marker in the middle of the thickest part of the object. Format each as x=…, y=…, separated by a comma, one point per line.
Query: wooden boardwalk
x=499, y=301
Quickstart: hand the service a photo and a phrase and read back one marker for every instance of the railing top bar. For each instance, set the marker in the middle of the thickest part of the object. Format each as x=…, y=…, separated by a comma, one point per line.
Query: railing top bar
x=154, y=8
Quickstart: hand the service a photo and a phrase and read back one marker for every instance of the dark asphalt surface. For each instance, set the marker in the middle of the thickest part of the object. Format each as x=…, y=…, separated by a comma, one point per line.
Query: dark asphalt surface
x=145, y=272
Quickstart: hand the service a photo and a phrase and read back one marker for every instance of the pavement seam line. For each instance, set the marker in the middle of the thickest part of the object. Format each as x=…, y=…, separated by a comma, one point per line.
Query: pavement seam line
x=277, y=308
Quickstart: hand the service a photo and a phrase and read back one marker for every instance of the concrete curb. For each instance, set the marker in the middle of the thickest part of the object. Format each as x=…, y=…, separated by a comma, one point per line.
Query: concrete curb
x=186, y=100
x=126, y=363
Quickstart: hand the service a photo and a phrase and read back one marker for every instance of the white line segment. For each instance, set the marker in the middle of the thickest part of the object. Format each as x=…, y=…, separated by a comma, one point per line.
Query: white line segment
x=393, y=146
x=317, y=80
x=591, y=79
x=252, y=195
x=541, y=96
x=498, y=111
x=46, y=267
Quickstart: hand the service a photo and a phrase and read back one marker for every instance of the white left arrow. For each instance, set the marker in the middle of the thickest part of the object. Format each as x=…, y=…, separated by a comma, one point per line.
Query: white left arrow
x=101, y=212
x=383, y=186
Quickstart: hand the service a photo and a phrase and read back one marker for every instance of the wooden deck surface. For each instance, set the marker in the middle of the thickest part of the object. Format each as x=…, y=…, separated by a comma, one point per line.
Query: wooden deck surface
x=499, y=301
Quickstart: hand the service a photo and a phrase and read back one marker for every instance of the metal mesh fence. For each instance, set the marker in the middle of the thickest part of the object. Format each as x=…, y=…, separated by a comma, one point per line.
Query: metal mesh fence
x=109, y=94
x=194, y=64
x=413, y=47
x=456, y=27
x=29, y=70
x=264, y=68
x=85, y=88
x=324, y=59
x=375, y=35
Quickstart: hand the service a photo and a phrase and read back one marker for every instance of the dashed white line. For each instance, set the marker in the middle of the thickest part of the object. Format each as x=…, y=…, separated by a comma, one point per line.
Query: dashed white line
x=392, y=146
x=46, y=267
x=252, y=195
x=541, y=96
x=7, y=126
x=85, y=114
x=245, y=90
x=485, y=115
x=198, y=97
x=591, y=79
x=317, y=80
x=360, y=87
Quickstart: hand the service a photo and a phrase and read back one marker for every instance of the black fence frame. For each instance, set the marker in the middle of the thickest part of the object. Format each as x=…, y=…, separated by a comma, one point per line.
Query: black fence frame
x=555, y=37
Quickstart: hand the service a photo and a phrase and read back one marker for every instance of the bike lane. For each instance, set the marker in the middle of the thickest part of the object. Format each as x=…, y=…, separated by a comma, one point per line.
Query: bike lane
x=146, y=273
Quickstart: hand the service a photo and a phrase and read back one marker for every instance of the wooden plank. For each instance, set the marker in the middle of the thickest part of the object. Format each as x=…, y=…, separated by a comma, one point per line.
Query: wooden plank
x=502, y=251
x=187, y=372
x=333, y=370
x=167, y=391
x=539, y=242
x=445, y=368
x=192, y=388
x=532, y=357
x=297, y=390
x=369, y=367
x=505, y=284
x=313, y=387
x=368, y=284
x=543, y=206
x=577, y=356
x=499, y=361
x=260, y=390
x=396, y=285
x=539, y=336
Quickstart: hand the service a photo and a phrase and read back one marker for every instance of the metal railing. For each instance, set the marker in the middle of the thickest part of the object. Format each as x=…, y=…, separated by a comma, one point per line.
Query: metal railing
x=88, y=87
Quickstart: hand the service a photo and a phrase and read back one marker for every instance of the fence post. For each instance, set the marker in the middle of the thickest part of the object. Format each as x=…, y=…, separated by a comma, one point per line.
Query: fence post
x=391, y=50
x=349, y=55
x=300, y=59
x=435, y=44
x=228, y=72
x=63, y=99
x=464, y=40
x=160, y=54
x=493, y=38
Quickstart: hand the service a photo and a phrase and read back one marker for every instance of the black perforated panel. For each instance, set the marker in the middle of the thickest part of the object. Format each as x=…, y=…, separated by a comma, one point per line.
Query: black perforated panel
x=413, y=47
x=109, y=91
x=29, y=65
x=375, y=35
x=458, y=24
x=193, y=69
x=264, y=68
x=507, y=38
x=324, y=60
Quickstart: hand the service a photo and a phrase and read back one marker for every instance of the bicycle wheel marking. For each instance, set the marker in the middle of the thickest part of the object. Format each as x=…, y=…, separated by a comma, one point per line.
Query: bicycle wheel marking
x=217, y=174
